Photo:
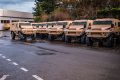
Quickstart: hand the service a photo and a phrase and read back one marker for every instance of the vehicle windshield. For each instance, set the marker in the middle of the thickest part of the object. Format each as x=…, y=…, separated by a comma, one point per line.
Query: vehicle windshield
x=25, y=24
x=78, y=23
x=38, y=25
x=49, y=25
x=61, y=24
x=102, y=22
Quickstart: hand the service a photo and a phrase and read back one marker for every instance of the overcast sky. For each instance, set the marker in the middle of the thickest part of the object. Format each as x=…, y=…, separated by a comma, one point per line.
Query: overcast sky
x=19, y=5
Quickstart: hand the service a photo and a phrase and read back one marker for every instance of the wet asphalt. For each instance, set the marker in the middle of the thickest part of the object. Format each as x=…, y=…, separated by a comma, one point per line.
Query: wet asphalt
x=44, y=60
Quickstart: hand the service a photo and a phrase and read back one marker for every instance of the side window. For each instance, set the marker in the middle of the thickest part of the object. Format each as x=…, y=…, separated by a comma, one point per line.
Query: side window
x=118, y=24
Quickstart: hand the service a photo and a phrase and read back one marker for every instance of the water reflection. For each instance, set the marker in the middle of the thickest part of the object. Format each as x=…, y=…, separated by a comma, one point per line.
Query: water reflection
x=4, y=34
x=1, y=33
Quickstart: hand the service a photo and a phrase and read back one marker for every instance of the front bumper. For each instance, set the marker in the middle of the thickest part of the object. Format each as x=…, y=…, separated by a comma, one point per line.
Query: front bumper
x=55, y=32
x=74, y=33
x=43, y=31
x=98, y=34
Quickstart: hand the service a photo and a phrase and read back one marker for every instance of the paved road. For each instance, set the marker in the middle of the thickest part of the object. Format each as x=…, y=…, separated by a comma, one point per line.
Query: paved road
x=43, y=60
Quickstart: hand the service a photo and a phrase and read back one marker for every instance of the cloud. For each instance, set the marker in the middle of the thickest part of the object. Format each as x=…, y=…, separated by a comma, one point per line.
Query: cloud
x=14, y=1
x=18, y=5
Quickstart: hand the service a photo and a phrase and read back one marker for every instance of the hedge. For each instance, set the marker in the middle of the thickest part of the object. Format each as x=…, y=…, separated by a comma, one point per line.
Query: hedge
x=112, y=13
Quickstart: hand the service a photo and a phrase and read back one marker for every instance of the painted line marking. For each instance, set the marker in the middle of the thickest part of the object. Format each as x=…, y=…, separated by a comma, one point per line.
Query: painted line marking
x=14, y=63
x=37, y=77
x=4, y=77
x=4, y=57
x=24, y=69
x=8, y=59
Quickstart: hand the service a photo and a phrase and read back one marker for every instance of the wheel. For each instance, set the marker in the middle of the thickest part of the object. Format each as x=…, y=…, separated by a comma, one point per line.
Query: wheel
x=89, y=41
x=83, y=39
x=40, y=36
x=63, y=37
x=13, y=35
x=33, y=37
x=100, y=44
x=67, y=39
x=50, y=37
x=22, y=36
x=110, y=41
x=118, y=40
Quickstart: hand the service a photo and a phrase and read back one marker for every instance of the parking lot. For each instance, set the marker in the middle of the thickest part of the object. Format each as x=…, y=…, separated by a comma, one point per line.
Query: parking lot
x=56, y=60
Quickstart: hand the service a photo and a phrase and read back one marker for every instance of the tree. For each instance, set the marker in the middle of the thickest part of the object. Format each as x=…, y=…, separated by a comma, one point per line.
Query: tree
x=76, y=9
x=43, y=6
x=60, y=14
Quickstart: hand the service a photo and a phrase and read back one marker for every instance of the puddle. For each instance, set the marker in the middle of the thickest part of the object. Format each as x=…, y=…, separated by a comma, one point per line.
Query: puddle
x=45, y=53
x=4, y=34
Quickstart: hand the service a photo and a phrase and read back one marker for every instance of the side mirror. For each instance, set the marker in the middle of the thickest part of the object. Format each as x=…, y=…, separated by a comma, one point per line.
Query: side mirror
x=112, y=25
x=19, y=26
x=84, y=25
x=89, y=24
x=63, y=26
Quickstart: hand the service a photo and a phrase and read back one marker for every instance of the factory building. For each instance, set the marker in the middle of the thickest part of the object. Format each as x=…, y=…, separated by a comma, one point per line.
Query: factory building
x=9, y=16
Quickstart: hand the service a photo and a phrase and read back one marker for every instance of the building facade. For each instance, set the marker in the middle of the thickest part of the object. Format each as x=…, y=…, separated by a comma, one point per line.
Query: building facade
x=8, y=16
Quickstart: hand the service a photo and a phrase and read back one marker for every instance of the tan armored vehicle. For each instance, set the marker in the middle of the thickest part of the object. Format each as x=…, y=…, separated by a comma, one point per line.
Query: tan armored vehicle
x=57, y=30
x=105, y=31
x=42, y=29
x=22, y=30
x=76, y=30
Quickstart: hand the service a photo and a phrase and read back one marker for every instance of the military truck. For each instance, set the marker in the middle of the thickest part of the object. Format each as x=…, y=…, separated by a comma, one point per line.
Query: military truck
x=76, y=30
x=22, y=30
x=105, y=31
x=42, y=29
x=57, y=30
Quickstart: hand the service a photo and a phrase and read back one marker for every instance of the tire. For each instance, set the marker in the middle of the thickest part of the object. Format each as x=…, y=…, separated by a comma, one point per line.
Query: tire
x=63, y=37
x=22, y=36
x=33, y=37
x=100, y=44
x=41, y=36
x=110, y=41
x=50, y=37
x=83, y=39
x=13, y=35
x=118, y=40
x=67, y=39
x=89, y=41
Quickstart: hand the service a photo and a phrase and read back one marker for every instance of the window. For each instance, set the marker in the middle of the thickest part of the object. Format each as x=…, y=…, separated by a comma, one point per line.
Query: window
x=102, y=22
x=5, y=21
x=79, y=23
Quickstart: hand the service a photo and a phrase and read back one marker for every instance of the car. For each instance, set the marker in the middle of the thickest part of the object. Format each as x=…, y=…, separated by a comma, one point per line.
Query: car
x=22, y=30
x=42, y=29
x=105, y=31
x=57, y=30
x=76, y=30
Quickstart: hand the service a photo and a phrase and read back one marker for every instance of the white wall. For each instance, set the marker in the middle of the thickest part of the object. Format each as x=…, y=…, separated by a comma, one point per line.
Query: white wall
x=1, y=12
x=15, y=13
